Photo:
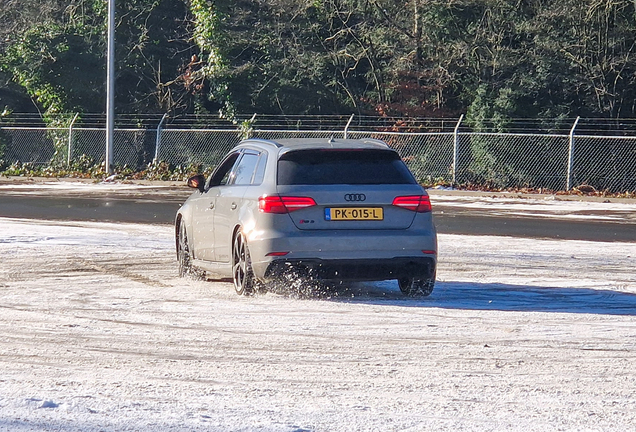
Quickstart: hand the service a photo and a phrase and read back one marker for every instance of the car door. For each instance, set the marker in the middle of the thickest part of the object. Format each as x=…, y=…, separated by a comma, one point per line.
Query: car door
x=204, y=208
x=229, y=200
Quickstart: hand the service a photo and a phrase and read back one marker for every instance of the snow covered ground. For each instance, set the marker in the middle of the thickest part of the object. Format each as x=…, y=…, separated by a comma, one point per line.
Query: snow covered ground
x=97, y=333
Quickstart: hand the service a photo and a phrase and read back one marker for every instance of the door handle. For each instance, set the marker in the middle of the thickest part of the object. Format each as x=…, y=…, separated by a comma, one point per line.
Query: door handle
x=233, y=206
x=211, y=205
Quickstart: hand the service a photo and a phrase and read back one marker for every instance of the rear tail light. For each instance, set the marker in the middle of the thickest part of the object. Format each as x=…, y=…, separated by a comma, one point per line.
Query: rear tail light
x=285, y=204
x=276, y=254
x=416, y=203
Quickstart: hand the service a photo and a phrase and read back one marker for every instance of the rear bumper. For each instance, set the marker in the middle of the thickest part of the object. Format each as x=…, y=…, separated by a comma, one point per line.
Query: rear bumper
x=346, y=254
x=355, y=269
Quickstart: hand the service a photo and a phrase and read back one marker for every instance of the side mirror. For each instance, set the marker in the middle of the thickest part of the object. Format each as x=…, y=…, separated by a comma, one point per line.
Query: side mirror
x=197, y=182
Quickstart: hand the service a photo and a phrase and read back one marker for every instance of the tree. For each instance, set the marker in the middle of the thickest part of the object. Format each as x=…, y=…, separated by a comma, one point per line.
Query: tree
x=490, y=59
x=59, y=59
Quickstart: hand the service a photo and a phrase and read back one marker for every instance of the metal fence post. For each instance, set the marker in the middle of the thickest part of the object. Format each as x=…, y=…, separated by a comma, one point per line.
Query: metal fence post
x=568, y=182
x=346, y=129
x=456, y=148
x=158, y=138
x=70, y=140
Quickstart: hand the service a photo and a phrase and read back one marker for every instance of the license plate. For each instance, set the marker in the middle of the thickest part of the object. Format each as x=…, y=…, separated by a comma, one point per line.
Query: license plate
x=353, y=213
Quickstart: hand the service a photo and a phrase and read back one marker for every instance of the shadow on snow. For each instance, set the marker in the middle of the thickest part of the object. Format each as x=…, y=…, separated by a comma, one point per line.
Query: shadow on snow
x=496, y=297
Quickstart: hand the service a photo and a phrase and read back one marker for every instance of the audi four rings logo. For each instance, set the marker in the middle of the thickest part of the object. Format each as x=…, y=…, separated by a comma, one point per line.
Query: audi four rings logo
x=355, y=197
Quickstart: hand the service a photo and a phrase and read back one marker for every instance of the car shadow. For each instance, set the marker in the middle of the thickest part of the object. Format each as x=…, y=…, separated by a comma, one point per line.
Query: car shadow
x=494, y=296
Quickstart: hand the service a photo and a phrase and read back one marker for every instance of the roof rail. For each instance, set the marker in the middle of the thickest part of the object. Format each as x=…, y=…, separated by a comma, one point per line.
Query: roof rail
x=263, y=141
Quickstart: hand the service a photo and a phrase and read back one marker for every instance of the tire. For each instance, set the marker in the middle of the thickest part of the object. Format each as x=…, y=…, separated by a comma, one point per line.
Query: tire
x=184, y=256
x=416, y=287
x=242, y=273
x=183, y=252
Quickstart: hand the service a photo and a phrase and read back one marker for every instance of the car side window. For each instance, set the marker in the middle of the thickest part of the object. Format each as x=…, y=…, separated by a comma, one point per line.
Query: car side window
x=244, y=171
x=221, y=176
x=259, y=174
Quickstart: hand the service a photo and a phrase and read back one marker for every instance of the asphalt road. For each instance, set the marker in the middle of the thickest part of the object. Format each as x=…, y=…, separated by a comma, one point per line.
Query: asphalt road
x=95, y=208
x=516, y=226
x=160, y=205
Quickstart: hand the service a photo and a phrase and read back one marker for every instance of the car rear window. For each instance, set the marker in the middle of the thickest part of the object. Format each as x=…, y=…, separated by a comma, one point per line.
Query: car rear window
x=325, y=167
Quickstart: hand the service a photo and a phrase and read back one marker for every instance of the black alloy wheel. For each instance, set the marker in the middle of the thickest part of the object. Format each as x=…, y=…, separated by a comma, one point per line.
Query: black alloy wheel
x=242, y=273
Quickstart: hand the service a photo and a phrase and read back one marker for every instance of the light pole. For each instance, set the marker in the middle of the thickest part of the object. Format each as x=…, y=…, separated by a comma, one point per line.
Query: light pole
x=110, y=88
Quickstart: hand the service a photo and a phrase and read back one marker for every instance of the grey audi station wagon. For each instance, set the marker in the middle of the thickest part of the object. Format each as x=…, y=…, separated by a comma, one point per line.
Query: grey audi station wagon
x=318, y=209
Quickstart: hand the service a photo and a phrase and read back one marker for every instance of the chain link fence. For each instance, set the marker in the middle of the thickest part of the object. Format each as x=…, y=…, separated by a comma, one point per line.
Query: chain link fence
x=500, y=160
x=513, y=160
x=606, y=164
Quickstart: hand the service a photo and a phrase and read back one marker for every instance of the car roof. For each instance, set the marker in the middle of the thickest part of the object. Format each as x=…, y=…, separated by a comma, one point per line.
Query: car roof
x=288, y=144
